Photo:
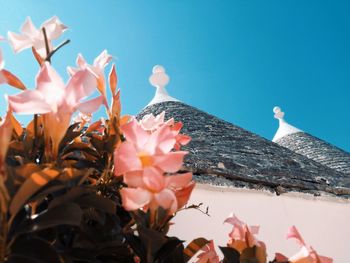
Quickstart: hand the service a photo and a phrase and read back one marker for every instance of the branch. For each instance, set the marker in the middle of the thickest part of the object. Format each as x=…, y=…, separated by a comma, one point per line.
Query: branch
x=48, y=58
x=46, y=45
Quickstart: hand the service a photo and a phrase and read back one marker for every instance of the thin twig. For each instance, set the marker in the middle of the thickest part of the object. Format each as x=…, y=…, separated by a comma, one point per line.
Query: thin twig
x=48, y=58
x=46, y=45
x=35, y=130
x=196, y=207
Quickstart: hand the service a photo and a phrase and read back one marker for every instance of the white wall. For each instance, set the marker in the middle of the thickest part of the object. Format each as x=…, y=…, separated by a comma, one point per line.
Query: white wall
x=324, y=222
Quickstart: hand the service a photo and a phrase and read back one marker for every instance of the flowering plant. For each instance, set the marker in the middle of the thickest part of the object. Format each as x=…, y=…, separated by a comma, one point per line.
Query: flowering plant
x=76, y=191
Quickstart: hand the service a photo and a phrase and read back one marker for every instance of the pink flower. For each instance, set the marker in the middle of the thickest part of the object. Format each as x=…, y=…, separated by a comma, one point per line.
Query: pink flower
x=306, y=253
x=242, y=237
x=56, y=101
x=147, y=152
x=181, y=139
x=97, y=69
x=151, y=123
x=143, y=159
x=32, y=37
x=209, y=254
x=6, y=128
x=155, y=190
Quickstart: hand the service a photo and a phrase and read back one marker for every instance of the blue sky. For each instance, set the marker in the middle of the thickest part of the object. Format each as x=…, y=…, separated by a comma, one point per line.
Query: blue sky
x=233, y=59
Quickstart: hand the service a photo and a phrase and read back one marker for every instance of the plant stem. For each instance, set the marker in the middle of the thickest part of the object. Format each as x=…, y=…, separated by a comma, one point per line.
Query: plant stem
x=4, y=237
x=35, y=129
x=47, y=46
x=48, y=58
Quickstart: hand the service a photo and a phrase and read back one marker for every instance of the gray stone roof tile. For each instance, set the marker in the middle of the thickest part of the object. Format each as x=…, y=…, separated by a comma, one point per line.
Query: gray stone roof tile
x=317, y=150
x=223, y=153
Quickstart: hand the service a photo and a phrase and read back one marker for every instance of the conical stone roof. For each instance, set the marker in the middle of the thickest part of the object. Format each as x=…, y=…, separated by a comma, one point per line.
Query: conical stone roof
x=313, y=148
x=224, y=154
x=317, y=150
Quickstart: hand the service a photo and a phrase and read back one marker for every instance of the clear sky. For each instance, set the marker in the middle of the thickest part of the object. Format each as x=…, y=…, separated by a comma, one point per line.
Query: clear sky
x=233, y=59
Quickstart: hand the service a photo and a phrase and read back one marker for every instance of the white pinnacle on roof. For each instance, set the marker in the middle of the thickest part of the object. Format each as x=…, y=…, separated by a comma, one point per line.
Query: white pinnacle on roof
x=284, y=127
x=160, y=79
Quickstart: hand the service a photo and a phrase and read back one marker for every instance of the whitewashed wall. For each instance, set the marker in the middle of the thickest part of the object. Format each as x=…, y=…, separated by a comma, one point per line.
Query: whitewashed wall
x=324, y=222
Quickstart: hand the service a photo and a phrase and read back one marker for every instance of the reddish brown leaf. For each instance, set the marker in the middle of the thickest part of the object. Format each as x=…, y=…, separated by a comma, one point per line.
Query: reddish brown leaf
x=12, y=80
x=35, y=181
x=94, y=126
x=16, y=125
x=25, y=171
x=38, y=58
x=116, y=105
x=113, y=80
x=4, y=196
x=101, y=85
x=193, y=247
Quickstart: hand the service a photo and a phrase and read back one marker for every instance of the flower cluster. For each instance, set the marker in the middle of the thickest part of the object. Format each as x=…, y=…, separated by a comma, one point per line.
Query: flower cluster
x=242, y=239
x=306, y=253
x=149, y=162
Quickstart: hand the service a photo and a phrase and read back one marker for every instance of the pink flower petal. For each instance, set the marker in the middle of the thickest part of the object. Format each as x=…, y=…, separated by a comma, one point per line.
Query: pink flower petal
x=29, y=29
x=90, y=106
x=294, y=233
x=280, y=257
x=126, y=159
x=102, y=60
x=325, y=259
x=171, y=162
x=19, y=42
x=254, y=229
x=178, y=180
x=239, y=230
x=151, y=123
x=302, y=256
x=165, y=199
x=184, y=194
x=182, y=139
x=133, y=199
x=153, y=179
x=54, y=27
x=28, y=102
x=2, y=78
x=209, y=254
x=2, y=64
x=50, y=85
x=81, y=62
x=134, y=133
x=134, y=179
x=71, y=71
x=161, y=141
x=81, y=85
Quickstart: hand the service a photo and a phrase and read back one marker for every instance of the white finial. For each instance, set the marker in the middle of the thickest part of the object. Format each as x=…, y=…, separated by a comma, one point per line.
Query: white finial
x=279, y=114
x=284, y=127
x=160, y=79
